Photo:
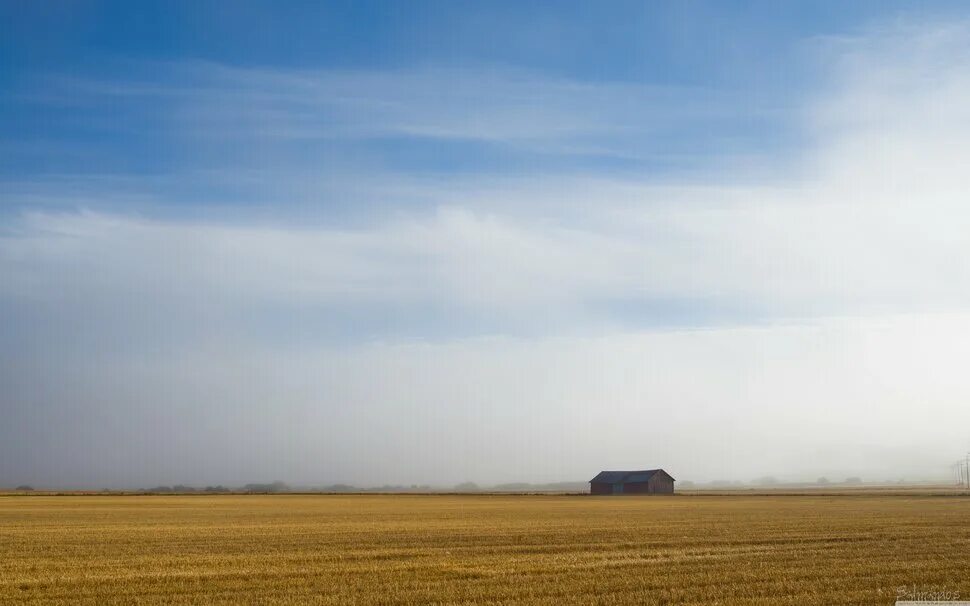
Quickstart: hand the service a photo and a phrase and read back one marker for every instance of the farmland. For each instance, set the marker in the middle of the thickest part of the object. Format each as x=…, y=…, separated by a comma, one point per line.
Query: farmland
x=407, y=549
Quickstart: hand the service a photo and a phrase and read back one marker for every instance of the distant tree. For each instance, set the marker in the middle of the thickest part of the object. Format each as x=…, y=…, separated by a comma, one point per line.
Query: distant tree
x=274, y=487
x=686, y=484
x=512, y=486
x=219, y=488
x=767, y=481
x=853, y=480
x=389, y=488
x=25, y=488
x=339, y=488
x=822, y=481
x=467, y=487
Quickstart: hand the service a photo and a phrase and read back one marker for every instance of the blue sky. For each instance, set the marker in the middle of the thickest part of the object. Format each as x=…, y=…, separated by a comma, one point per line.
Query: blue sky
x=725, y=79
x=298, y=236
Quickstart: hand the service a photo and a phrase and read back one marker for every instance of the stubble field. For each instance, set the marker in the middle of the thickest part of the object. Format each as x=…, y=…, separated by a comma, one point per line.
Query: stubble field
x=487, y=549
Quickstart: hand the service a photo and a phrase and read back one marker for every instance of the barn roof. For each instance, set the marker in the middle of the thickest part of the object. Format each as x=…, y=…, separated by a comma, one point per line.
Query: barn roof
x=620, y=477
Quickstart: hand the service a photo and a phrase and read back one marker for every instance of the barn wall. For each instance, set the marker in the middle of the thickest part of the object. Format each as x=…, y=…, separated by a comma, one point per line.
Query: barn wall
x=636, y=488
x=661, y=484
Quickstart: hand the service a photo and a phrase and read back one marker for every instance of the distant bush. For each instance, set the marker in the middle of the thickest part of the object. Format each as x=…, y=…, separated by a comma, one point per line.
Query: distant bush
x=853, y=480
x=219, y=488
x=274, y=487
x=25, y=488
x=822, y=481
x=467, y=487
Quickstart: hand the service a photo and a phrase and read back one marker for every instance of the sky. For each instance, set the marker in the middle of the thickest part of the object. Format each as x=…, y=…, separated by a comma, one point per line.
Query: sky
x=436, y=242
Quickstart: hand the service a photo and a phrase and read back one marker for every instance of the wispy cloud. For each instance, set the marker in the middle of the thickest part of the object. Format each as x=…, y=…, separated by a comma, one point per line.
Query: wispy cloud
x=504, y=107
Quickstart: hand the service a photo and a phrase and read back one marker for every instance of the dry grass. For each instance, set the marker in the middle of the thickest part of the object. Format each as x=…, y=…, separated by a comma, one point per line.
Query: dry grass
x=481, y=549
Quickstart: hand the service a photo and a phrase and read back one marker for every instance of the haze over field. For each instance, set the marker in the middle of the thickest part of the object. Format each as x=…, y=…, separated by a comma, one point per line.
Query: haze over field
x=373, y=245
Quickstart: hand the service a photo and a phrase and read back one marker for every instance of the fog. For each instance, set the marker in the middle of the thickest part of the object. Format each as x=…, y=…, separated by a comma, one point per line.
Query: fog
x=840, y=398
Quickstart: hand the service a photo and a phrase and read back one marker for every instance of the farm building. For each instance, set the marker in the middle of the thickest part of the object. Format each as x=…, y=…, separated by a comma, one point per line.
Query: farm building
x=647, y=481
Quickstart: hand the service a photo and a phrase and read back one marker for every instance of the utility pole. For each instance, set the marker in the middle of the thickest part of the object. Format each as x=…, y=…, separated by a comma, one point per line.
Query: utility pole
x=966, y=466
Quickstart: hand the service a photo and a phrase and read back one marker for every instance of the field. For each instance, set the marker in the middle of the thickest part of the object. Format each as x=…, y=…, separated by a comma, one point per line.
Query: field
x=484, y=549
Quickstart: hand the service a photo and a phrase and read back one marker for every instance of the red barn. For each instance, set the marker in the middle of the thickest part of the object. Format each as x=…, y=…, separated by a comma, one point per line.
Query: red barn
x=647, y=481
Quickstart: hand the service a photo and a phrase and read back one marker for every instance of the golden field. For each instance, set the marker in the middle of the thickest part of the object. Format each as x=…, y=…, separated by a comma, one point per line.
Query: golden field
x=482, y=549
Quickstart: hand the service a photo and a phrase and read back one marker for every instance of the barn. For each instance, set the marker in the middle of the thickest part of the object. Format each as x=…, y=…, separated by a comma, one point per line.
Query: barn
x=646, y=481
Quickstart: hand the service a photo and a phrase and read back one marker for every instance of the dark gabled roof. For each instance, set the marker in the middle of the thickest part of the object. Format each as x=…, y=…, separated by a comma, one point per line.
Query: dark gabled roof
x=621, y=477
